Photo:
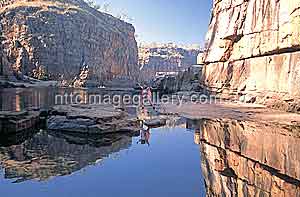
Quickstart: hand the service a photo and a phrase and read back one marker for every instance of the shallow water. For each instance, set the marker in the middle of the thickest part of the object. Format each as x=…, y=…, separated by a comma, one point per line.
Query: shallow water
x=68, y=165
x=18, y=99
x=213, y=157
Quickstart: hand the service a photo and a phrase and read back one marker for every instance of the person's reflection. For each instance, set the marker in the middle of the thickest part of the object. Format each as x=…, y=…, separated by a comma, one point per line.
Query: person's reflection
x=145, y=135
x=197, y=137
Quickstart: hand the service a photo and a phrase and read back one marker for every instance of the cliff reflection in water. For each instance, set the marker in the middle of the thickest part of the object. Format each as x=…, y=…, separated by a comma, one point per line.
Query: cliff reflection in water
x=16, y=99
x=47, y=155
x=242, y=158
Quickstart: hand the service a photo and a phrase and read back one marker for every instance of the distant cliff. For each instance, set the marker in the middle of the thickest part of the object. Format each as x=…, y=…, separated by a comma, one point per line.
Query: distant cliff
x=253, y=51
x=57, y=37
x=166, y=58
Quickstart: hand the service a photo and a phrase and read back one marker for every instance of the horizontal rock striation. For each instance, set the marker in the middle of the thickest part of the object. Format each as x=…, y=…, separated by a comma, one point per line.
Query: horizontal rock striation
x=253, y=48
x=229, y=174
x=14, y=122
x=57, y=37
x=241, y=158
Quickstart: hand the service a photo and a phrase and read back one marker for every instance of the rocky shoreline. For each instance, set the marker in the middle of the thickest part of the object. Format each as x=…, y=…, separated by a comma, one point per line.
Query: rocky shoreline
x=240, y=143
x=82, y=119
x=15, y=122
x=27, y=84
x=91, y=119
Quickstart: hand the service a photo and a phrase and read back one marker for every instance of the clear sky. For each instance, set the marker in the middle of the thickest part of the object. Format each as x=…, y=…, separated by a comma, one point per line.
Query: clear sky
x=179, y=21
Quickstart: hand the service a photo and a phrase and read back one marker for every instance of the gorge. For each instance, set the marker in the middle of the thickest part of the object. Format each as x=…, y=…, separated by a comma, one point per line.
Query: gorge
x=154, y=120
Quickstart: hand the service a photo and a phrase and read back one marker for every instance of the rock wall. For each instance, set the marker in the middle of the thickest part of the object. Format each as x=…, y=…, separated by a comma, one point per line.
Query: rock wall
x=242, y=158
x=59, y=36
x=253, y=47
x=170, y=57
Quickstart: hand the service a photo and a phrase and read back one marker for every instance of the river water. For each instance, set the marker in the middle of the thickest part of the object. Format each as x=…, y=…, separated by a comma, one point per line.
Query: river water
x=18, y=99
x=50, y=164
x=208, y=157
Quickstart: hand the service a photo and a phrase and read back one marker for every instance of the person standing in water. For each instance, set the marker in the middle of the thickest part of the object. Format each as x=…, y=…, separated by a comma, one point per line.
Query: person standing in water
x=145, y=135
x=146, y=98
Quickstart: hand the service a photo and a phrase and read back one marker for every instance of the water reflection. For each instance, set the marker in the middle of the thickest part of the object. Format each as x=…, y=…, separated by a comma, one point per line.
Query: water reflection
x=45, y=155
x=18, y=103
x=18, y=99
x=242, y=158
x=238, y=158
x=169, y=167
x=145, y=136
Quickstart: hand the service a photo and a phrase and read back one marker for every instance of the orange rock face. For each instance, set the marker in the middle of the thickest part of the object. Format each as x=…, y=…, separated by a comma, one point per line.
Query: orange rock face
x=253, y=48
x=241, y=158
x=59, y=36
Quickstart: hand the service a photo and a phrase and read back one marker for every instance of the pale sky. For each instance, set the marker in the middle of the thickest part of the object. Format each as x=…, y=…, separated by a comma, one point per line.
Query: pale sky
x=179, y=21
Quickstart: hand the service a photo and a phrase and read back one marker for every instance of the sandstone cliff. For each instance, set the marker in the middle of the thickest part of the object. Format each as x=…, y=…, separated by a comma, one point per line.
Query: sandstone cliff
x=166, y=58
x=243, y=158
x=253, y=49
x=57, y=37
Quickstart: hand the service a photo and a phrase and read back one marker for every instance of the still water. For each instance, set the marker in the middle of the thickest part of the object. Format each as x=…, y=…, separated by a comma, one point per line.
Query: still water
x=208, y=157
x=18, y=99
x=55, y=164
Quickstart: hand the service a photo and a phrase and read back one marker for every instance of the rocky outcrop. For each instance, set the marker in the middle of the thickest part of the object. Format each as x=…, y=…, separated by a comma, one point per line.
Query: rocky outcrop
x=241, y=158
x=253, y=49
x=14, y=122
x=58, y=37
x=91, y=119
x=184, y=81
